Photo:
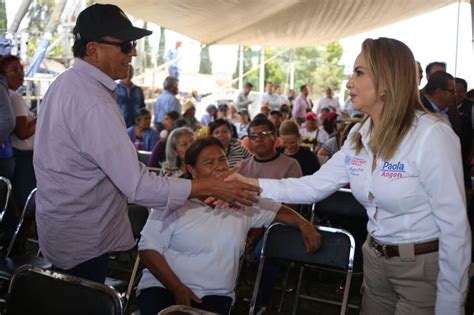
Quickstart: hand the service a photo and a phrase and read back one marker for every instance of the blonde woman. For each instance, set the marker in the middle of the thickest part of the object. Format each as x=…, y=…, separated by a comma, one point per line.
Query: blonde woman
x=404, y=167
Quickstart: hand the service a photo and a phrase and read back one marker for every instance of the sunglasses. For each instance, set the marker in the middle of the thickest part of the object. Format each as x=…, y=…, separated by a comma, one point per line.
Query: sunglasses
x=125, y=47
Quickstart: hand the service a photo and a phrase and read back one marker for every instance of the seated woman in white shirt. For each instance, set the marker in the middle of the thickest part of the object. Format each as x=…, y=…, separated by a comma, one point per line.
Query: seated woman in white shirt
x=192, y=256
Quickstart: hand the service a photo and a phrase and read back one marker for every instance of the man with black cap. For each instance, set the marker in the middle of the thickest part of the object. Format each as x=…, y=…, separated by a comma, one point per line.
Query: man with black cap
x=86, y=167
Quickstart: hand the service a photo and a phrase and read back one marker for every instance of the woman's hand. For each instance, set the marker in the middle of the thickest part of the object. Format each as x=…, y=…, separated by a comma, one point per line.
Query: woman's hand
x=184, y=295
x=311, y=237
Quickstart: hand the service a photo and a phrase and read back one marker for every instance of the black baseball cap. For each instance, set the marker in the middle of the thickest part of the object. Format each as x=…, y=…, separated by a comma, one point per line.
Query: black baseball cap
x=99, y=20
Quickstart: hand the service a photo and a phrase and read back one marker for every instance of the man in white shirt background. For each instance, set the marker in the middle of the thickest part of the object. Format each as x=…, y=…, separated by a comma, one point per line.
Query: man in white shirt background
x=328, y=101
x=270, y=97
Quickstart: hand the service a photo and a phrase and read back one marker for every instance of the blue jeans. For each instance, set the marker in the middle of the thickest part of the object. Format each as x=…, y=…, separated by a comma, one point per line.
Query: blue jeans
x=94, y=269
x=153, y=300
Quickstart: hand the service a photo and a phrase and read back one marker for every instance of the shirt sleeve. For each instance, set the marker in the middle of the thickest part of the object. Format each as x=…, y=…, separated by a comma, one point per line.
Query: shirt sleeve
x=176, y=105
x=264, y=213
x=296, y=106
x=7, y=118
x=104, y=139
x=308, y=189
x=440, y=169
x=18, y=105
x=156, y=234
x=240, y=100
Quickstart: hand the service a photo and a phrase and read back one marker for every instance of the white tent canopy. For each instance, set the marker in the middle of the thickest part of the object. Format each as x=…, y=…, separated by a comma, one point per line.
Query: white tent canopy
x=281, y=23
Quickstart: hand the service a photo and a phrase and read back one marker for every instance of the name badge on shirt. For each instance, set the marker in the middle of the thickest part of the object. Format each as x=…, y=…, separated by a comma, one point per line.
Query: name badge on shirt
x=392, y=170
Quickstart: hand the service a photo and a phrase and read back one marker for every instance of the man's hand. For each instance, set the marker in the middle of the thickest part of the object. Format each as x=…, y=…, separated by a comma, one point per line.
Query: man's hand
x=184, y=295
x=253, y=236
x=311, y=237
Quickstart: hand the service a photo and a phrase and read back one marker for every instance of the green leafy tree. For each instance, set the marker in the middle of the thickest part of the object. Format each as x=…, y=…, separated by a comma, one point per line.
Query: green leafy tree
x=316, y=66
x=329, y=72
x=306, y=61
x=205, y=65
x=148, y=49
x=38, y=17
x=274, y=70
x=3, y=17
x=161, y=46
x=251, y=77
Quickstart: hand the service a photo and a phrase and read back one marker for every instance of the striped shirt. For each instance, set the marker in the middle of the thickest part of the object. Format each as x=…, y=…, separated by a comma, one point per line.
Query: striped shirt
x=236, y=153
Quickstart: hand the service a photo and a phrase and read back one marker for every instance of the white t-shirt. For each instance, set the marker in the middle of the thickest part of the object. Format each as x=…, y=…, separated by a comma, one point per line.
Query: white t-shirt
x=319, y=134
x=21, y=109
x=203, y=245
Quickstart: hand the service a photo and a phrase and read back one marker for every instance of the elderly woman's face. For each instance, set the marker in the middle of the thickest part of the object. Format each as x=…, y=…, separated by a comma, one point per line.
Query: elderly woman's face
x=182, y=144
x=223, y=134
x=211, y=163
x=362, y=88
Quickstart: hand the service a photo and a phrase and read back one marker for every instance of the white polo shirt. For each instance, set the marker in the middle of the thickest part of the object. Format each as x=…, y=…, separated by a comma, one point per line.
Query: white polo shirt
x=203, y=245
x=416, y=196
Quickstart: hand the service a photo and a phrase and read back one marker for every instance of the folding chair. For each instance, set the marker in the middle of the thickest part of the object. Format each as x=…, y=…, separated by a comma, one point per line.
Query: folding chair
x=10, y=263
x=283, y=242
x=144, y=156
x=138, y=216
x=5, y=192
x=39, y=291
x=342, y=210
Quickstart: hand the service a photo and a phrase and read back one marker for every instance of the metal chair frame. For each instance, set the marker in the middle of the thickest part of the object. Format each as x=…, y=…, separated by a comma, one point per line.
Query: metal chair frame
x=308, y=260
x=102, y=288
x=8, y=185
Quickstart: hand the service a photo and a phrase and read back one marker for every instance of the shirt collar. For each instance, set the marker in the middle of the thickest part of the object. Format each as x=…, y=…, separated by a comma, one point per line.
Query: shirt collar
x=436, y=108
x=91, y=70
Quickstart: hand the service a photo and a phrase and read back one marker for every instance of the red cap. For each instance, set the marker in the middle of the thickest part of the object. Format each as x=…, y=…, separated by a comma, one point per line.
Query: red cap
x=310, y=115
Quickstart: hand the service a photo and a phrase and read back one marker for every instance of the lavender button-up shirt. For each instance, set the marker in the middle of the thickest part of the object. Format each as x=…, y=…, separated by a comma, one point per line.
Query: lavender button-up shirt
x=87, y=169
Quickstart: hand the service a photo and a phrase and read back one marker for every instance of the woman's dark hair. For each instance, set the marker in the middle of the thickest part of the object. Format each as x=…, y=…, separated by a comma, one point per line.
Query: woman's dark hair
x=140, y=113
x=219, y=123
x=173, y=115
x=192, y=153
x=329, y=125
x=5, y=60
x=182, y=123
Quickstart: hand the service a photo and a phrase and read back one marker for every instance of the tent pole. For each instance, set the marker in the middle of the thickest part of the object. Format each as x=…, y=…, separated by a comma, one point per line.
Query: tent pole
x=472, y=25
x=261, y=85
x=241, y=67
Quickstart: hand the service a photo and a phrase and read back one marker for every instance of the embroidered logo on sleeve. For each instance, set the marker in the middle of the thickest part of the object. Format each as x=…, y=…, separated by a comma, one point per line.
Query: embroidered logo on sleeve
x=392, y=170
x=355, y=165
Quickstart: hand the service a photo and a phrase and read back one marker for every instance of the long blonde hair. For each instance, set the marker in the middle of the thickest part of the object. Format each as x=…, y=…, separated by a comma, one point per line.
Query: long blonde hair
x=394, y=71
